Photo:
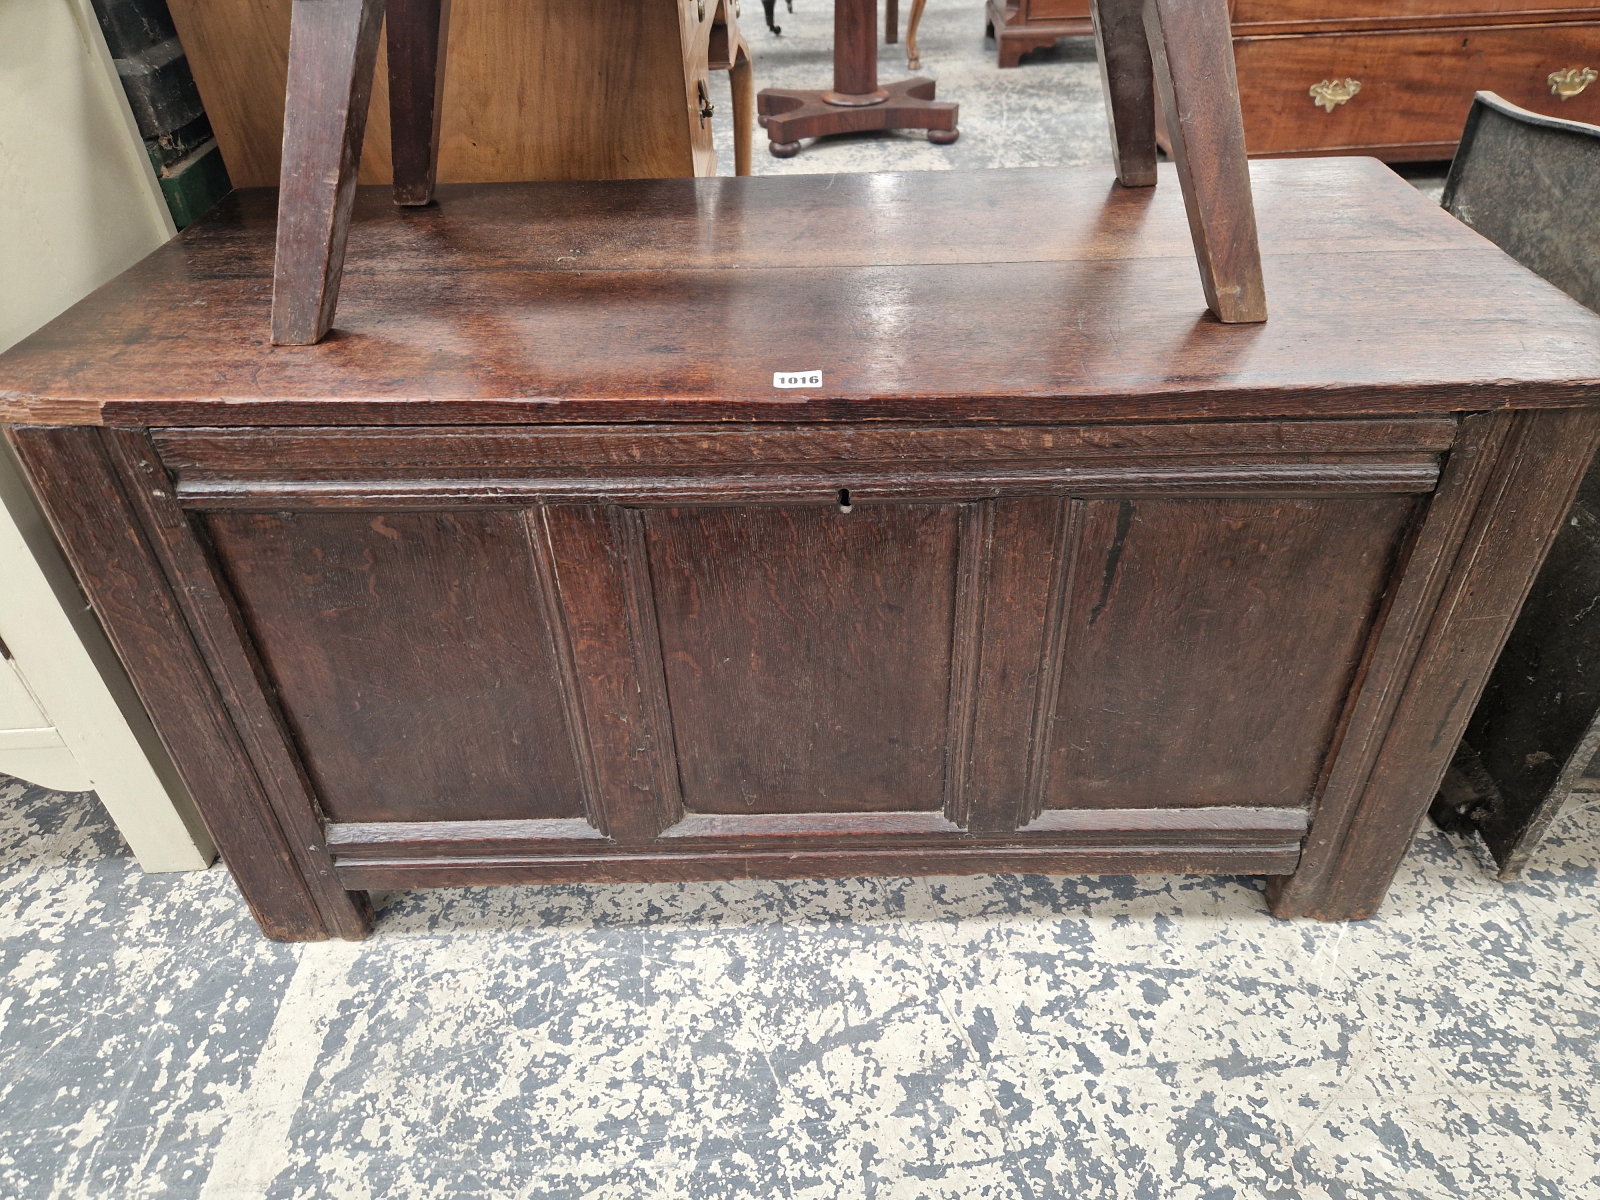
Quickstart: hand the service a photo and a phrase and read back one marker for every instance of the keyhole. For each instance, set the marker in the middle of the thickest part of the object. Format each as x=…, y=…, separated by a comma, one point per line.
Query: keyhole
x=844, y=500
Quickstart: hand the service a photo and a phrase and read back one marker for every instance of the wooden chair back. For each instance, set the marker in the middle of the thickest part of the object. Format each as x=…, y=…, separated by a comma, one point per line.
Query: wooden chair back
x=1529, y=183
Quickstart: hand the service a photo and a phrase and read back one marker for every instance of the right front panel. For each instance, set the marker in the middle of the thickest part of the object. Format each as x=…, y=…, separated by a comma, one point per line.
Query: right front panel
x=1207, y=645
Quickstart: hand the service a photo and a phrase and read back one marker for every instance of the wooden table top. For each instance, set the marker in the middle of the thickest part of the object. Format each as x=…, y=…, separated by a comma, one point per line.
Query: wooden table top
x=1018, y=295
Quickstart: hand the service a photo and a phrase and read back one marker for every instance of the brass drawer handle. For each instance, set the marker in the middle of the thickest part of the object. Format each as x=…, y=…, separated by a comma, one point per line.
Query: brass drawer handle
x=707, y=109
x=1570, y=82
x=1331, y=93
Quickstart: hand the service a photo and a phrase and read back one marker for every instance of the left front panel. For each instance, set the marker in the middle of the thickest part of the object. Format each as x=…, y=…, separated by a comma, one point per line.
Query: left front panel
x=412, y=657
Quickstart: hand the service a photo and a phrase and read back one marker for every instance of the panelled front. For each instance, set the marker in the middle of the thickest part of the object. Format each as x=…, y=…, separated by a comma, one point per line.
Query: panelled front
x=710, y=642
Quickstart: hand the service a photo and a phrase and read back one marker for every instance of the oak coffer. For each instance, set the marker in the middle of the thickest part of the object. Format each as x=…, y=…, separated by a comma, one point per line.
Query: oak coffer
x=533, y=571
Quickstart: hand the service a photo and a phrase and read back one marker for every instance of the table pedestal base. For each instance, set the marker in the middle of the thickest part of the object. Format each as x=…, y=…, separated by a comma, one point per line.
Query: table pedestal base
x=909, y=104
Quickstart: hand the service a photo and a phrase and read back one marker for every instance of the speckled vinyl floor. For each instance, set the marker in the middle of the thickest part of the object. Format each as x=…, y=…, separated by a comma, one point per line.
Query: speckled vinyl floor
x=893, y=1039
x=1160, y=1038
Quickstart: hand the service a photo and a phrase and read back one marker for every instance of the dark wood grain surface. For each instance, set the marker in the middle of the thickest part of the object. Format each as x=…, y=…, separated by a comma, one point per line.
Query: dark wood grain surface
x=409, y=660
x=1199, y=95
x=503, y=870
x=1233, y=827
x=206, y=455
x=333, y=49
x=1261, y=609
x=595, y=559
x=528, y=575
x=219, y=727
x=418, y=32
x=280, y=469
x=795, y=642
x=1127, y=83
x=1474, y=558
x=659, y=300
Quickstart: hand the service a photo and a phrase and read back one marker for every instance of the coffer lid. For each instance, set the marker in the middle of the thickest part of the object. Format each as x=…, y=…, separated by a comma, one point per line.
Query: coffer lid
x=1017, y=295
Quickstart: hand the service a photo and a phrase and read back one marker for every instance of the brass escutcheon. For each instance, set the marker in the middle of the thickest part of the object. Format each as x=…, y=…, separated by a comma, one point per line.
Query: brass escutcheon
x=1570, y=82
x=1331, y=93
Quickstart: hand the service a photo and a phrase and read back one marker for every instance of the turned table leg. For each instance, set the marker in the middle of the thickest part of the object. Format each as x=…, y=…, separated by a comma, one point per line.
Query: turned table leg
x=418, y=34
x=1192, y=51
x=333, y=49
x=913, y=53
x=742, y=81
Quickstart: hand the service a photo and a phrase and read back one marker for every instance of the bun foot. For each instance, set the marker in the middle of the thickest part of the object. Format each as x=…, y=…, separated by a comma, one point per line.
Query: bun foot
x=941, y=136
x=761, y=120
x=784, y=149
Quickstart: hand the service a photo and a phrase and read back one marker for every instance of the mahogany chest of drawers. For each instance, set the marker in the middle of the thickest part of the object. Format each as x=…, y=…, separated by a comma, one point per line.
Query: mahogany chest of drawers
x=1395, y=78
x=1019, y=26
x=529, y=572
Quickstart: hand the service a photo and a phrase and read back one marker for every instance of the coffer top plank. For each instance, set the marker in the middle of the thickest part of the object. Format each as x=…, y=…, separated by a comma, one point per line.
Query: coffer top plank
x=677, y=300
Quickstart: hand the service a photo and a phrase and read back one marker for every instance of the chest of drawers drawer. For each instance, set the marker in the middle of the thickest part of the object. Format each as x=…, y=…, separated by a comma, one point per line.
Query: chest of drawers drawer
x=1396, y=81
x=1259, y=17
x=1414, y=88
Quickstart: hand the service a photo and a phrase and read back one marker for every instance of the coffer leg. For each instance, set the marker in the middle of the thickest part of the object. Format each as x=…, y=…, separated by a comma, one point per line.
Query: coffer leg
x=1506, y=488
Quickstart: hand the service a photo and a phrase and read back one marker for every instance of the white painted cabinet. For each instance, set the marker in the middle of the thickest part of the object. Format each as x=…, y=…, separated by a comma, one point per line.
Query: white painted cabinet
x=30, y=747
x=79, y=203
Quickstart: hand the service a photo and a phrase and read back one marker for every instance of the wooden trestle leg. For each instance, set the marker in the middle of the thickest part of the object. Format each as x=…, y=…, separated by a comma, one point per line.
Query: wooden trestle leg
x=333, y=49
x=728, y=51
x=1181, y=51
x=1192, y=52
x=418, y=35
x=1128, y=81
